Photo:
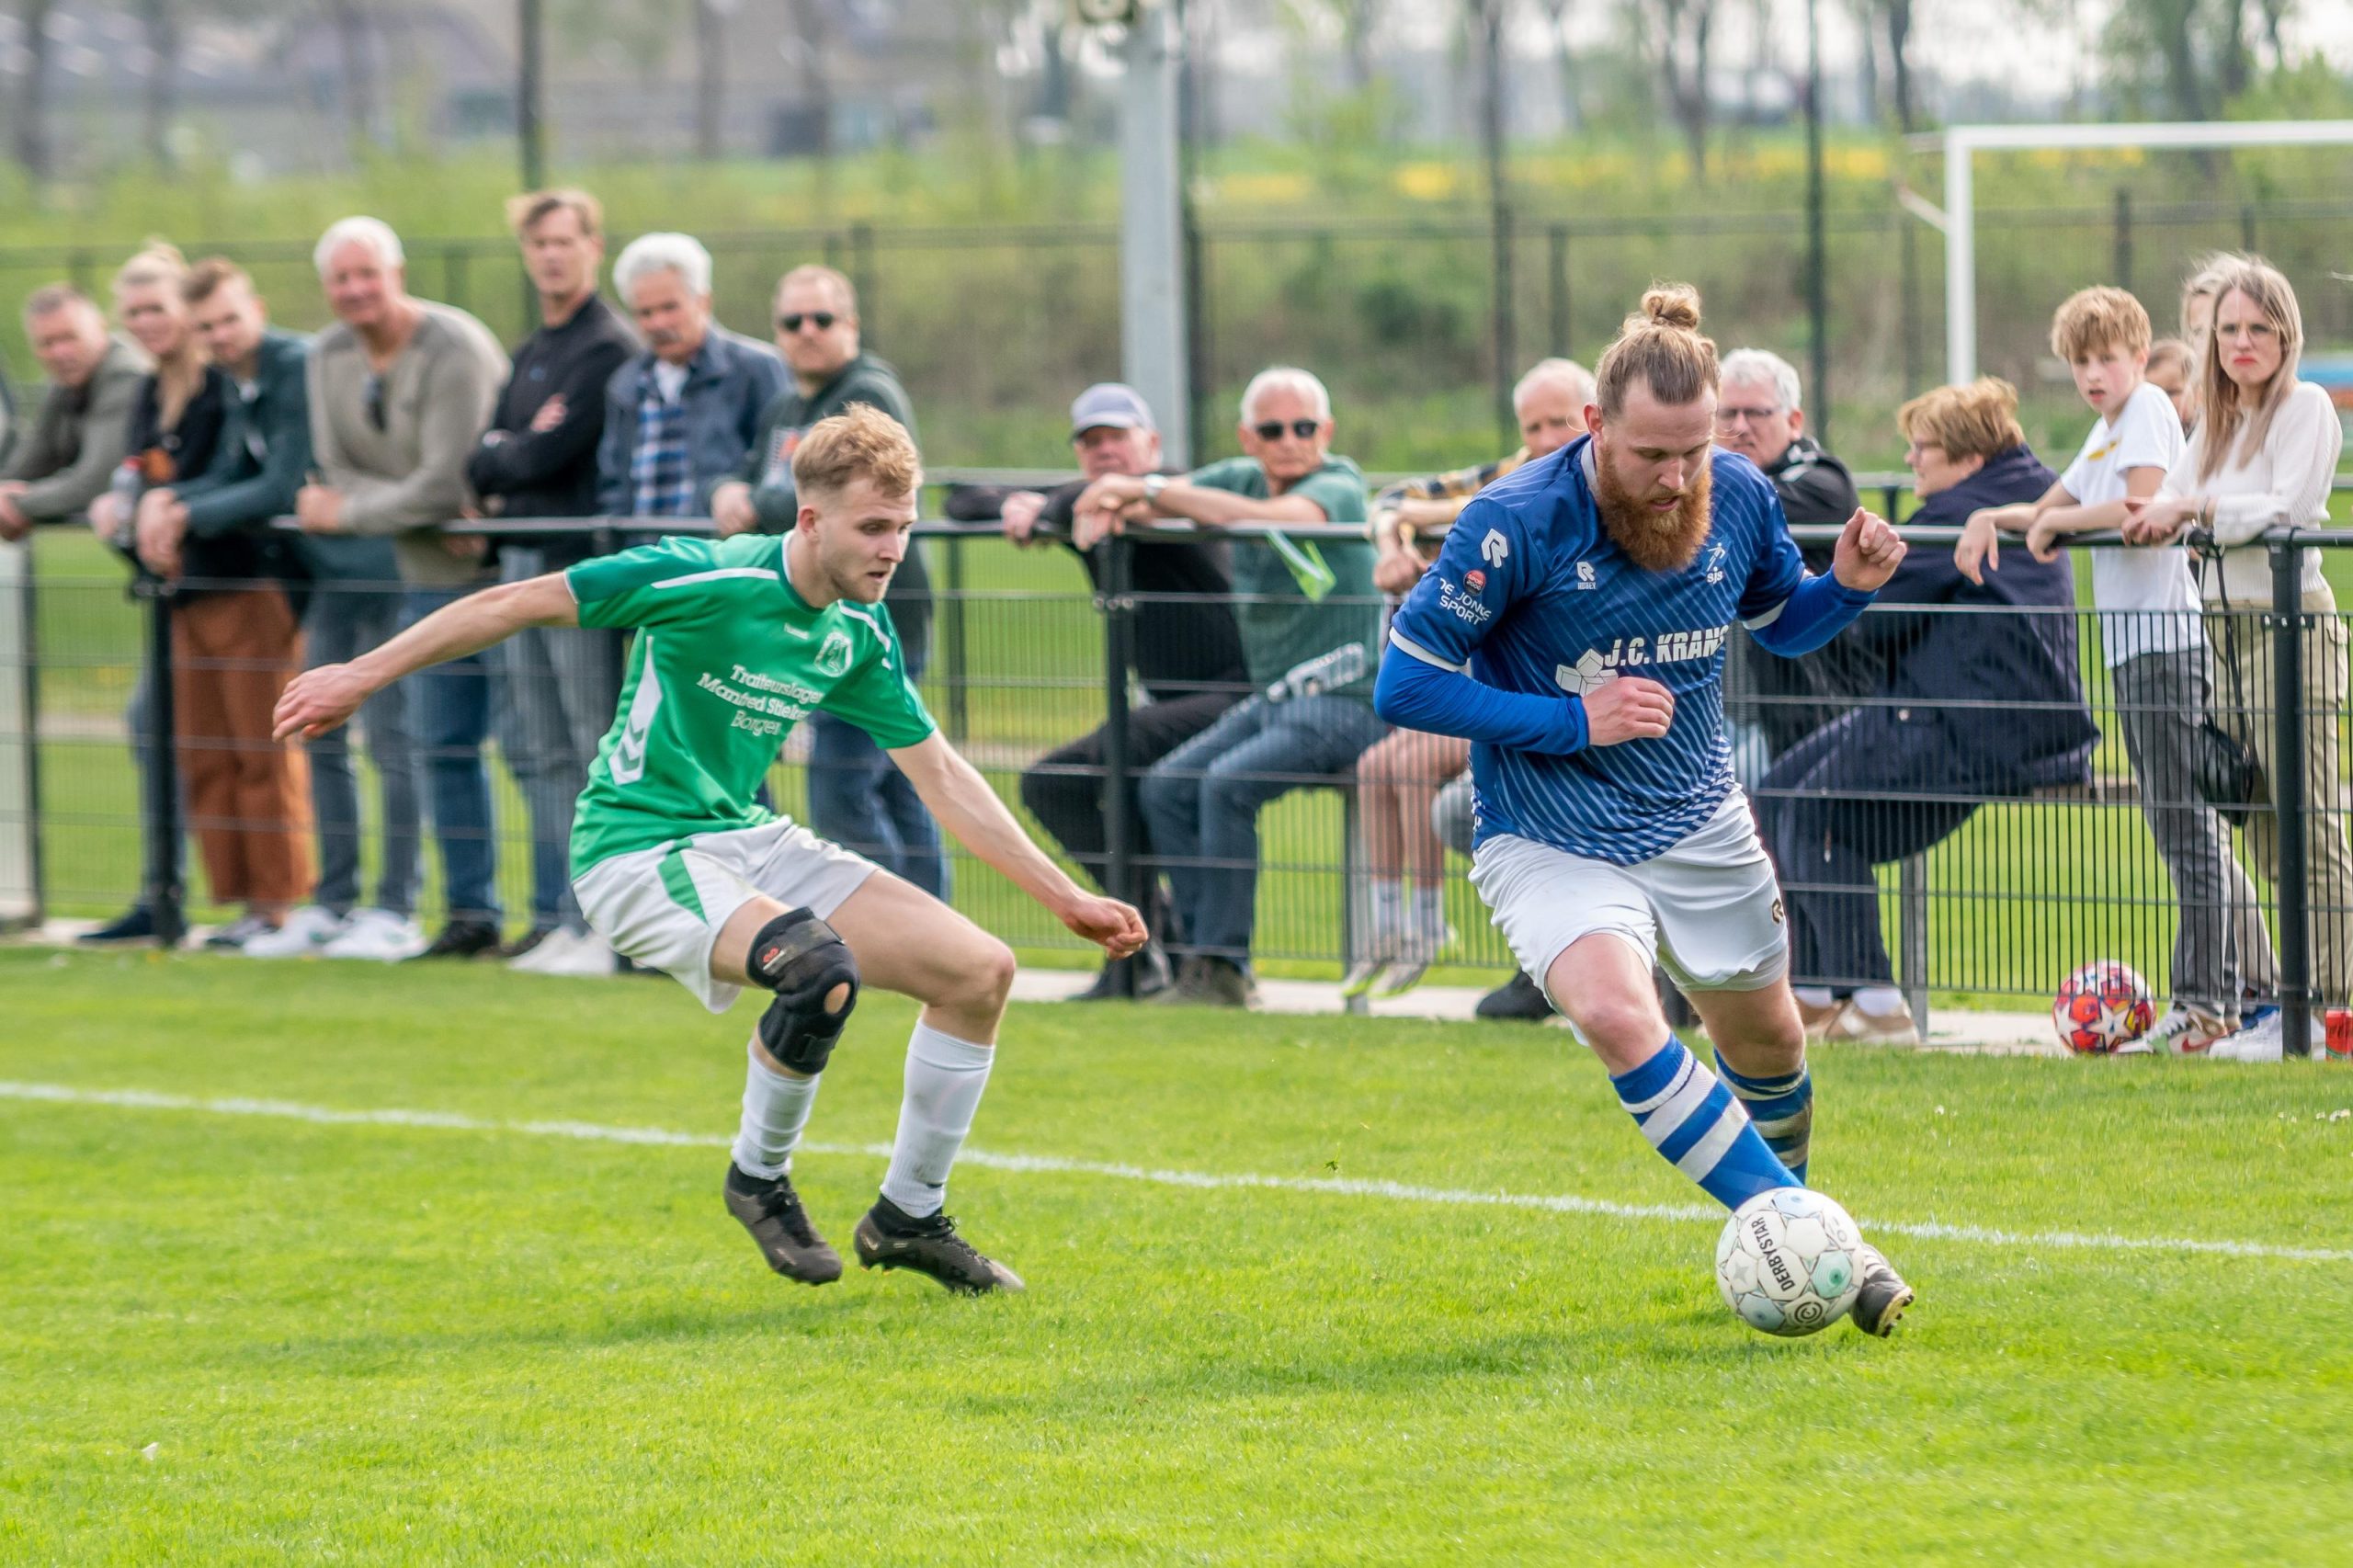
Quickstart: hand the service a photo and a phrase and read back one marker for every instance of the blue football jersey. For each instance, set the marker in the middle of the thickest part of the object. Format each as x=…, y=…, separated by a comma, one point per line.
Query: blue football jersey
x=1530, y=594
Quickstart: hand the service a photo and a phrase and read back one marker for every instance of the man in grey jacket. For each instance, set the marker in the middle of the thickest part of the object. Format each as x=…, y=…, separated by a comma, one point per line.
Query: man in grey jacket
x=400, y=389
x=63, y=461
x=679, y=417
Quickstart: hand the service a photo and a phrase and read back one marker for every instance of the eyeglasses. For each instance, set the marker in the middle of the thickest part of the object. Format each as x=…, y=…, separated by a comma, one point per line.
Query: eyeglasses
x=822, y=320
x=1273, y=429
x=1729, y=416
x=374, y=400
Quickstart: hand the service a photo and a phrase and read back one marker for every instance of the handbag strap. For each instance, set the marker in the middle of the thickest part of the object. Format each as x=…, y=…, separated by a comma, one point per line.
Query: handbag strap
x=2199, y=556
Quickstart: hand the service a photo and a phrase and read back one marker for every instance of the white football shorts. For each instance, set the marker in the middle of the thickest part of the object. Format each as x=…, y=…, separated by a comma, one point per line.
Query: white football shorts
x=665, y=907
x=1708, y=910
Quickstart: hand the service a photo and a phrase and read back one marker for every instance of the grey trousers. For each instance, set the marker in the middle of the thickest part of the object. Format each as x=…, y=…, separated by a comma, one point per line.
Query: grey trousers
x=556, y=689
x=2221, y=943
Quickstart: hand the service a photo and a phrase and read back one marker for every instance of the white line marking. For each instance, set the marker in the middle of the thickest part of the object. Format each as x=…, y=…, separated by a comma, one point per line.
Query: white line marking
x=1344, y=1187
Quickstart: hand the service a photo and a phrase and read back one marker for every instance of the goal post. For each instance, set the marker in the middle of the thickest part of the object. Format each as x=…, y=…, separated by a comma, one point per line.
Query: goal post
x=1960, y=143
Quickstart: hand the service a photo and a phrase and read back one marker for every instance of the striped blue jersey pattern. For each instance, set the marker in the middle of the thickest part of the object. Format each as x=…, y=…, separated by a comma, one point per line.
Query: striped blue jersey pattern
x=1530, y=594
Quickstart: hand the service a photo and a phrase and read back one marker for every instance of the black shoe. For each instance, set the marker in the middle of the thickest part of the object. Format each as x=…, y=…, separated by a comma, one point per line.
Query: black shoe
x=1519, y=997
x=771, y=1211
x=1880, y=1298
x=889, y=1237
x=136, y=924
x=1150, y=966
x=528, y=940
x=462, y=939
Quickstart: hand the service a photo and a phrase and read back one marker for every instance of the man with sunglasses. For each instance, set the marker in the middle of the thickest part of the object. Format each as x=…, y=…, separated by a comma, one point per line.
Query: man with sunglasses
x=1310, y=636
x=855, y=796
x=401, y=390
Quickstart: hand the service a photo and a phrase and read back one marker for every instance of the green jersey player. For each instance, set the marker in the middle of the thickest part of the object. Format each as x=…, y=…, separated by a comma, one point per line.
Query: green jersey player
x=677, y=864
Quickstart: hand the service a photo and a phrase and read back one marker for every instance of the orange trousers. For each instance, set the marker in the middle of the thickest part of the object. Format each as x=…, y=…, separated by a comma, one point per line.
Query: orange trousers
x=248, y=797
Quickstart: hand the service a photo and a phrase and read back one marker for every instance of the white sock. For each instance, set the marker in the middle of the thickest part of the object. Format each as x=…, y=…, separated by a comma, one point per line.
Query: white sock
x=776, y=1108
x=1429, y=924
x=1813, y=995
x=1878, y=1001
x=1388, y=910
x=945, y=1077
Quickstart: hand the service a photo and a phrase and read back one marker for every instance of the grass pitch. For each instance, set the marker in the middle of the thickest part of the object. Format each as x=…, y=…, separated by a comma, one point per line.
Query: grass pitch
x=258, y=1337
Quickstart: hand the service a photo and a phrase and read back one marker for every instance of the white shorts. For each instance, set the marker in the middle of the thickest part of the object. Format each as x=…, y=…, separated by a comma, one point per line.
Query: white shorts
x=1708, y=910
x=665, y=907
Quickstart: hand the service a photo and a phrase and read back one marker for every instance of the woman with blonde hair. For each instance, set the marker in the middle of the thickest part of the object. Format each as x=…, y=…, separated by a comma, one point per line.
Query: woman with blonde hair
x=2264, y=455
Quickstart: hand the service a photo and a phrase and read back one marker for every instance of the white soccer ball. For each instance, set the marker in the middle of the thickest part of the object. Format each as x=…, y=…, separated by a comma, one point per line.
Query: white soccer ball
x=1786, y=1262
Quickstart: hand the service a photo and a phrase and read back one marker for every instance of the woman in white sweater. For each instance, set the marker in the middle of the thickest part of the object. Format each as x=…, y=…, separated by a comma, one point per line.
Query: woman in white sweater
x=2263, y=456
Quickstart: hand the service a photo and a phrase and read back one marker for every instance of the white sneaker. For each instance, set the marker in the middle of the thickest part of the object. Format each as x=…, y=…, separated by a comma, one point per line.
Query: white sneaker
x=1852, y=1024
x=2183, y=1032
x=583, y=955
x=378, y=934
x=2266, y=1040
x=304, y=932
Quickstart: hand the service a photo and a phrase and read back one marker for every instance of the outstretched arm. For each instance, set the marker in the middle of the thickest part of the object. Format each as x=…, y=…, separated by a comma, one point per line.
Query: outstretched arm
x=957, y=794
x=317, y=700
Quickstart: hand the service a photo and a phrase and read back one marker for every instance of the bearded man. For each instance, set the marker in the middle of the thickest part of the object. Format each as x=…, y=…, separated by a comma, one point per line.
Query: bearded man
x=1573, y=630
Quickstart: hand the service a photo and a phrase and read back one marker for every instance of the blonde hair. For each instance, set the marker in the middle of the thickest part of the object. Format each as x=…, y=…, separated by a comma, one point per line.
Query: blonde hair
x=2224, y=405
x=2204, y=283
x=1659, y=345
x=525, y=210
x=812, y=272
x=158, y=261
x=860, y=442
x=2171, y=352
x=1980, y=420
x=2096, y=319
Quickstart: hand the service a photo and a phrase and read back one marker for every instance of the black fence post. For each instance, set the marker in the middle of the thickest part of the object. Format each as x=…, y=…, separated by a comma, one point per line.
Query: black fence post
x=2288, y=792
x=861, y=269
x=1556, y=280
x=163, y=880
x=2120, y=265
x=1117, y=607
x=951, y=619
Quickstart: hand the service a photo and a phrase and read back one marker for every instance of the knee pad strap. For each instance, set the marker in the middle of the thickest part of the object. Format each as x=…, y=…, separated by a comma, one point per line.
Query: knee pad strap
x=803, y=960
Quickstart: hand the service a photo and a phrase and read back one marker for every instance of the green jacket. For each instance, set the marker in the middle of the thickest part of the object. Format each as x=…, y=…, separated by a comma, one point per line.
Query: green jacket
x=79, y=439
x=265, y=449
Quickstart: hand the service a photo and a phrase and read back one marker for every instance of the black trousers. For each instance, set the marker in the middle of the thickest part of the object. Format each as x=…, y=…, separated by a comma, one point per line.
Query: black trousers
x=1065, y=788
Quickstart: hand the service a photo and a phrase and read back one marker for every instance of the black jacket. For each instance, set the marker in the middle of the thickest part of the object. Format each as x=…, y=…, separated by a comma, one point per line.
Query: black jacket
x=261, y=458
x=1186, y=639
x=1814, y=487
x=2026, y=727
x=520, y=473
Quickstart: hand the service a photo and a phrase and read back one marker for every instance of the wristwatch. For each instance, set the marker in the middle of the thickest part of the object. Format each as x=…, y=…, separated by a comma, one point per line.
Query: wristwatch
x=1153, y=484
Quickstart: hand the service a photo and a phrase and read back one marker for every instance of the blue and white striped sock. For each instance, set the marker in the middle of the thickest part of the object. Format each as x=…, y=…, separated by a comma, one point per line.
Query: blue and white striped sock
x=1782, y=1110
x=1697, y=1126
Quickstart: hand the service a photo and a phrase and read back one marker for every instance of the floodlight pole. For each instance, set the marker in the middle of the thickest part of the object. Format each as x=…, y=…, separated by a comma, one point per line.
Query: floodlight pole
x=531, y=63
x=1961, y=142
x=1152, y=236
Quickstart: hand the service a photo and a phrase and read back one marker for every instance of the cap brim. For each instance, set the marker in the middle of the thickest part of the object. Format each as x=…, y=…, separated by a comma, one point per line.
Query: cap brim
x=1108, y=421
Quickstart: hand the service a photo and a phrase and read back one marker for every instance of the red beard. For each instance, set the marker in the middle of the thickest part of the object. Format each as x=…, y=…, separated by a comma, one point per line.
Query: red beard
x=1653, y=541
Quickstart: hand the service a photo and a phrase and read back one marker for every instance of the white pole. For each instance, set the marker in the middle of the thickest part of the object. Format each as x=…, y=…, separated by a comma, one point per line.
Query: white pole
x=1961, y=260
x=1152, y=237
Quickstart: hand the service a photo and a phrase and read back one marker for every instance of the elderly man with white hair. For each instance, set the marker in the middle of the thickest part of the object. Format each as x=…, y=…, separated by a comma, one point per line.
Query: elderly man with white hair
x=679, y=417
x=400, y=389
x=1760, y=415
x=1311, y=634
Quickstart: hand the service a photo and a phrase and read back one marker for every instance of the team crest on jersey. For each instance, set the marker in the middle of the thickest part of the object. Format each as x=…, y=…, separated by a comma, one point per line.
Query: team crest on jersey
x=1585, y=575
x=833, y=654
x=1715, y=563
x=1595, y=666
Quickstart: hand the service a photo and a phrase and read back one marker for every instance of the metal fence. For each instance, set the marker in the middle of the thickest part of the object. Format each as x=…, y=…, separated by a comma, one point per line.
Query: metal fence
x=2009, y=889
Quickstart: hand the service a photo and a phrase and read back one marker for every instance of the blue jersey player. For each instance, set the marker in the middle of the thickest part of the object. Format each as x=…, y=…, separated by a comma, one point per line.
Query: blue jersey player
x=1573, y=630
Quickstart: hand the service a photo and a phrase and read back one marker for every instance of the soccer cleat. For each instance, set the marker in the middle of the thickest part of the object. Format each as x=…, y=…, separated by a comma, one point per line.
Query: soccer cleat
x=889, y=1237
x=1882, y=1297
x=560, y=953
x=304, y=932
x=2183, y=1032
x=771, y=1211
x=1520, y=999
x=1360, y=976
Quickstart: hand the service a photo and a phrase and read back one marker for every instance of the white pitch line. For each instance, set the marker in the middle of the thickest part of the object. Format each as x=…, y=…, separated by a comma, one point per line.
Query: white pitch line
x=1344, y=1187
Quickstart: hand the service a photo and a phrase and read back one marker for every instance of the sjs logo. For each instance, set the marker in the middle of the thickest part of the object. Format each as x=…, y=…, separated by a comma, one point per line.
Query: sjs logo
x=1715, y=563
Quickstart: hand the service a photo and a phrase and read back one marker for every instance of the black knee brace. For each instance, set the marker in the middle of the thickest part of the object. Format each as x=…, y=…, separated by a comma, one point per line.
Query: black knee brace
x=802, y=958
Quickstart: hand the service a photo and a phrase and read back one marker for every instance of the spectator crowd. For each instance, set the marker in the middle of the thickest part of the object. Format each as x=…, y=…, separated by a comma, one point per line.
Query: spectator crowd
x=299, y=502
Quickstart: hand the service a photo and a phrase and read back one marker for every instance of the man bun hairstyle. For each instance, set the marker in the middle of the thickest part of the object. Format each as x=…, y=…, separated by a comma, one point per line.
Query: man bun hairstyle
x=2097, y=320
x=860, y=442
x=1659, y=347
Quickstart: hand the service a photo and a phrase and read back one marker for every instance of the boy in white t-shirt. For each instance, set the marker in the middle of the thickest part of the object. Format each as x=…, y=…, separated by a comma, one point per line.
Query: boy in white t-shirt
x=2156, y=648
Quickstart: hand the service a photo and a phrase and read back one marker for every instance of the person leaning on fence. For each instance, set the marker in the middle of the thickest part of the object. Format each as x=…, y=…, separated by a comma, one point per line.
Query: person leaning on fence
x=2172, y=363
x=1311, y=628
x=1398, y=780
x=400, y=389
x=855, y=796
x=174, y=429
x=64, y=460
x=2264, y=455
x=1186, y=652
x=555, y=683
x=1775, y=702
x=236, y=613
x=1970, y=707
x=2154, y=650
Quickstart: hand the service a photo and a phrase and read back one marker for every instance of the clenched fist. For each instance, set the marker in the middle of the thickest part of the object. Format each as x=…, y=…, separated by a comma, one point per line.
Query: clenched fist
x=1628, y=708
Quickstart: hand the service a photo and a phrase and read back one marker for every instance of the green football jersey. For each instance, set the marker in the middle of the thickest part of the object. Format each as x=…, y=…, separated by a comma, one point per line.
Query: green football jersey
x=727, y=659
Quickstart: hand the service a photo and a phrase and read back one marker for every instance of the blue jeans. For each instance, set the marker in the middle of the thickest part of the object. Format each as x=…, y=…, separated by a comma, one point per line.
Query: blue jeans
x=1203, y=802
x=858, y=799
x=557, y=689
x=346, y=617
x=452, y=712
